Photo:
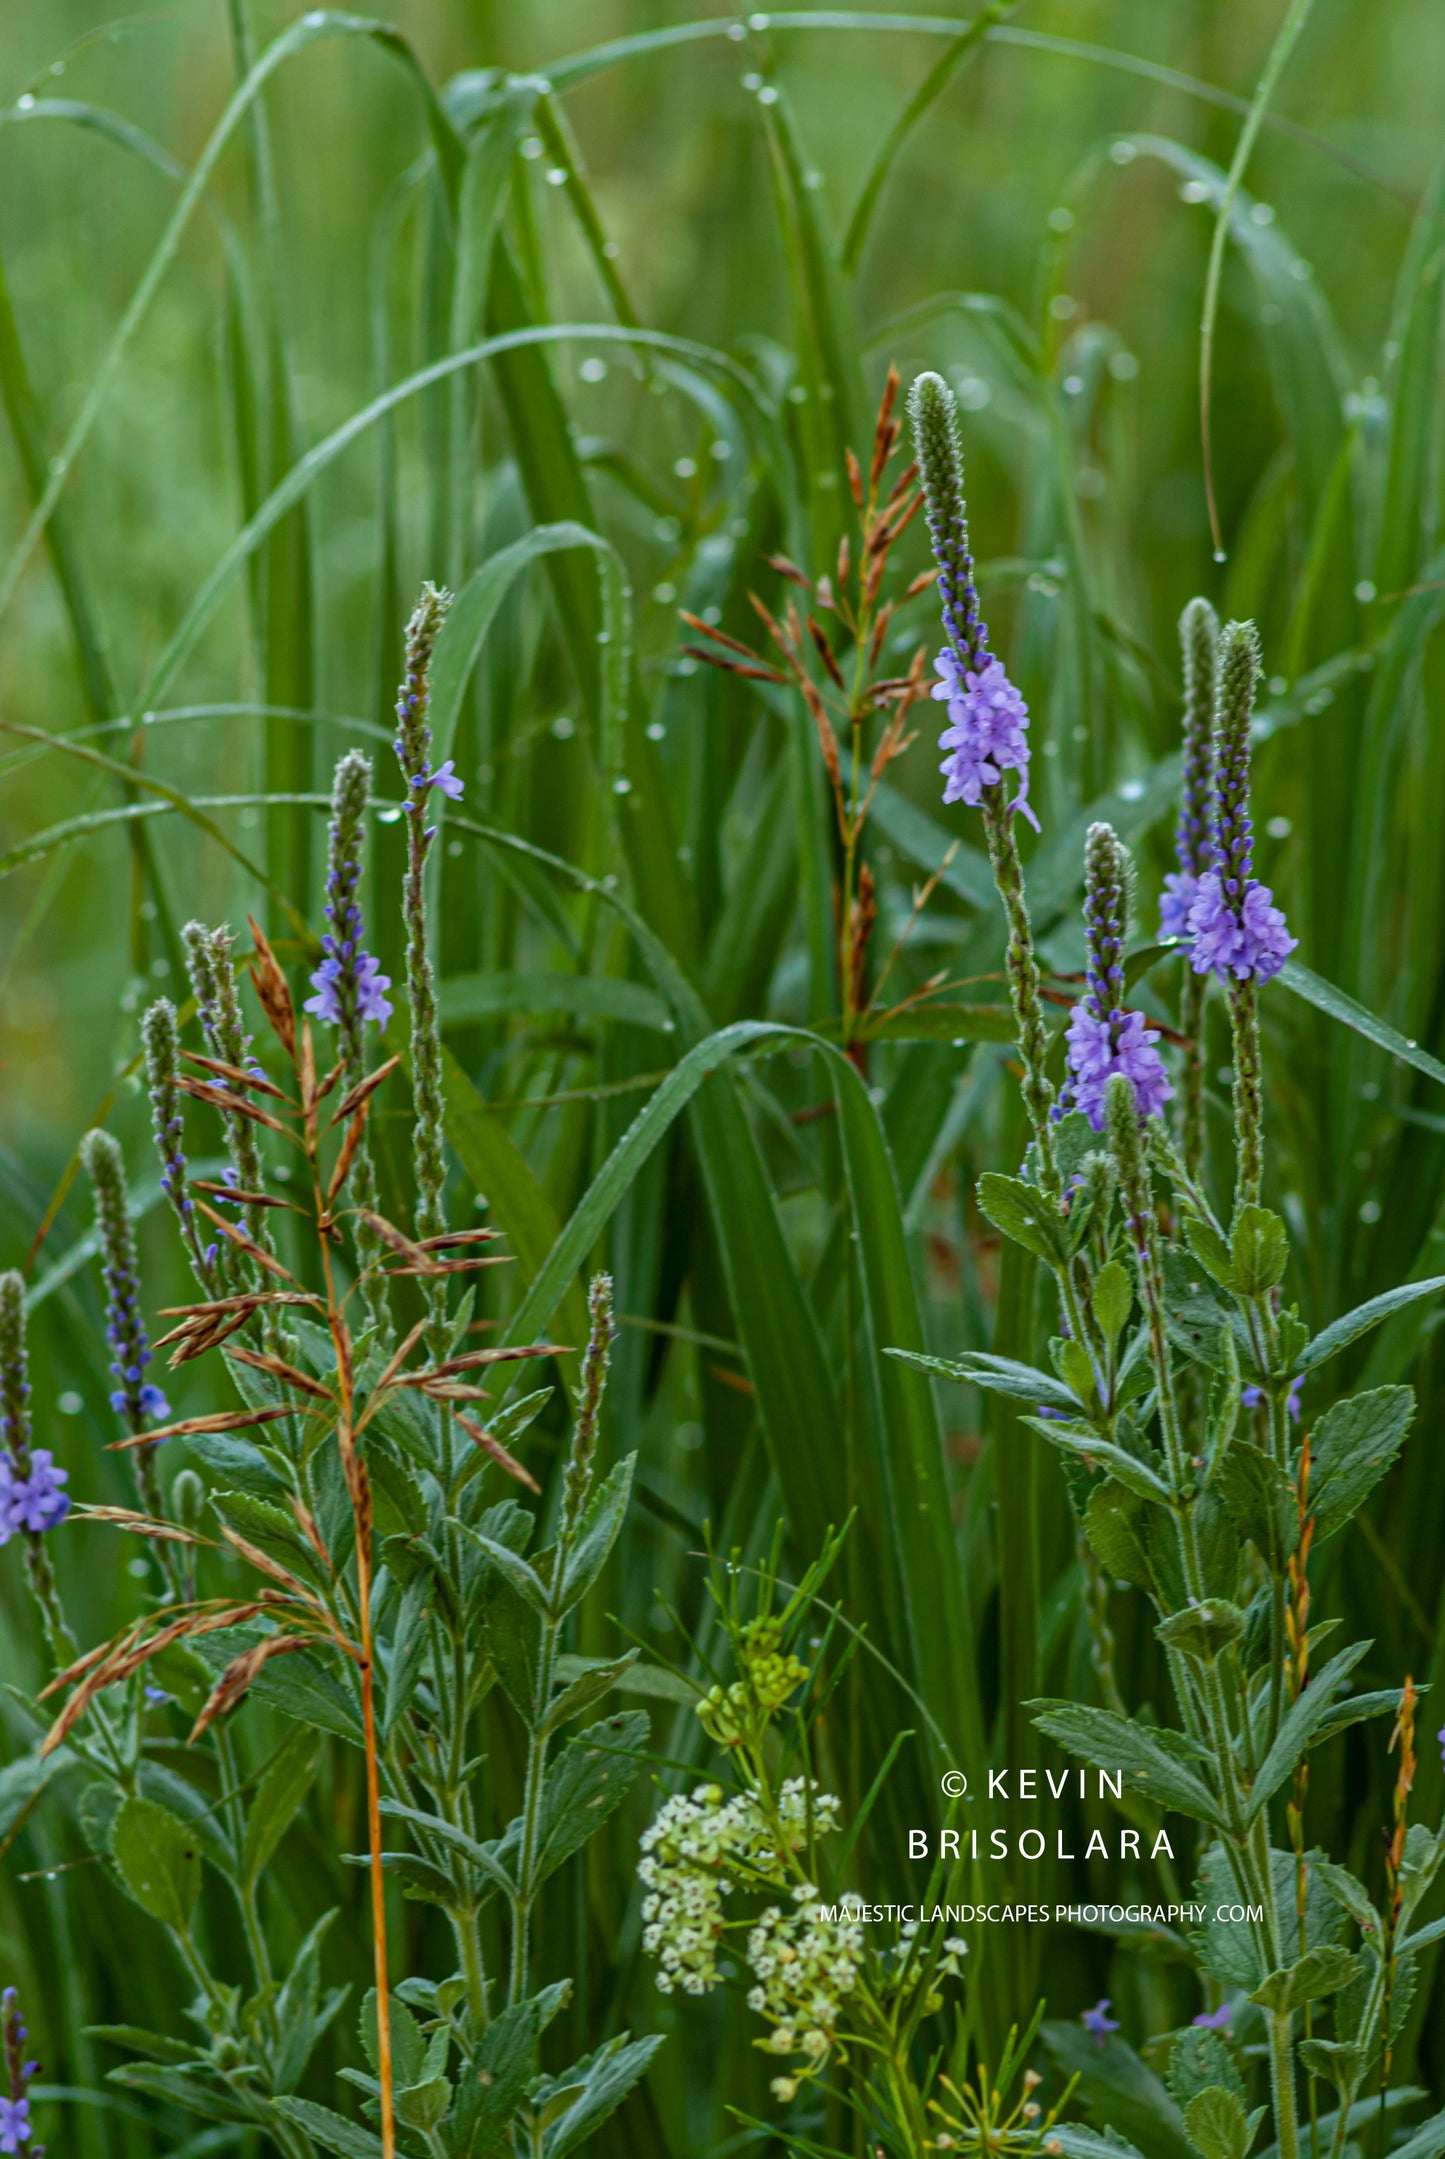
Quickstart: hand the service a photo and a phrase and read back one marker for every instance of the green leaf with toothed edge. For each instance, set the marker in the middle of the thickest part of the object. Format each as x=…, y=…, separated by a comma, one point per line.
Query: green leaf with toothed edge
x=1116, y=1744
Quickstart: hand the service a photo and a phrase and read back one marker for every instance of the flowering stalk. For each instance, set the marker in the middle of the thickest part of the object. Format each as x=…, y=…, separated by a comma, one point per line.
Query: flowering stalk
x=413, y=750
x=1103, y=1037
x=987, y=734
x=1199, y=637
x=350, y=989
x=213, y=982
x=160, y=1036
x=32, y=1495
x=1237, y=932
x=16, y=2127
x=134, y=1397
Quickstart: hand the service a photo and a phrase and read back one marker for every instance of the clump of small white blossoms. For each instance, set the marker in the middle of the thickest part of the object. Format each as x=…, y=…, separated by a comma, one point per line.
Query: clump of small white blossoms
x=700, y=1848
x=806, y=1965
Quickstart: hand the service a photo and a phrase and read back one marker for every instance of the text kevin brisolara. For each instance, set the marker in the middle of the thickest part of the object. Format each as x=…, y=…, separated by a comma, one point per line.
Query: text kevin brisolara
x=1036, y=1915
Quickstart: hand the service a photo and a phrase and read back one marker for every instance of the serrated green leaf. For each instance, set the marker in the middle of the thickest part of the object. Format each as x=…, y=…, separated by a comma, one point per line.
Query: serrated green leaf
x=1202, y=1630
x=1210, y=1249
x=159, y=1860
x=1261, y=1502
x=1024, y=1213
x=1300, y=1723
x=1259, y=1250
x=1216, y=2124
x=1351, y=1448
x=1113, y=1519
x=1115, y=1743
x=1317, y=1973
x=596, y=1535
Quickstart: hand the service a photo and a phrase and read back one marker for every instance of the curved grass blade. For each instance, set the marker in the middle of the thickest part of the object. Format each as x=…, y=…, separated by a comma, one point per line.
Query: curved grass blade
x=932, y=87
x=1274, y=67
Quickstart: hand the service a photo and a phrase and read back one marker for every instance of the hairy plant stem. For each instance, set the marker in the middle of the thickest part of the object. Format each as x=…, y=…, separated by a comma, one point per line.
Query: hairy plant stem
x=1248, y=1094
x=1023, y=980
x=1191, y=1095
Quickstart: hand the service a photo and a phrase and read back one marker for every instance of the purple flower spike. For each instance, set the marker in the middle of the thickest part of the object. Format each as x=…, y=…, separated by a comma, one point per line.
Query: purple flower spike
x=987, y=734
x=134, y=1397
x=1214, y=2020
x=1238, y=933
x=349, y=985
x=1098, y=2021
x=1104, y=1038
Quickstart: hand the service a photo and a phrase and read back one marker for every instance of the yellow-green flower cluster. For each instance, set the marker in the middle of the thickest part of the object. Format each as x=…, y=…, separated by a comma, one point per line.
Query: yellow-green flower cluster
x=733, y=1715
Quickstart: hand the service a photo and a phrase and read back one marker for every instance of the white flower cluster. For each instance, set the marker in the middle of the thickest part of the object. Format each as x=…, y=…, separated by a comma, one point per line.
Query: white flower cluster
x=699, y=1848
x=806, y=1965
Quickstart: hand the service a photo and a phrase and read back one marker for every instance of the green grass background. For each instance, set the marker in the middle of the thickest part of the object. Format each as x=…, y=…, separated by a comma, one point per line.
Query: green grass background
x=1041, y=235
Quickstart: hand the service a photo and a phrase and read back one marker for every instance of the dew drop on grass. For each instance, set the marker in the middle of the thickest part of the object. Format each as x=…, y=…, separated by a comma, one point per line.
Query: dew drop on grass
x=752, y=83
x=26, y=103
x=1219, y=555
x=557, y=176
x=656, y=732
x=767, y=95
x=390, y=815
x=533, y=146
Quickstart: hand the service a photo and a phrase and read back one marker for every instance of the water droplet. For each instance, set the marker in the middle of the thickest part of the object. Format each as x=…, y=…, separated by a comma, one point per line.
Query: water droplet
x=767, y=95
x=1262, y=213
x=1123, y=152
x=533, y=146
x=315, y=19
x=611, y=250
x=1060, y=220
x=752, y=83
x=1063, y=307
x=57, y=466
x=563, y=727
x=593, y=370
x=557, y=176
x=1370, y=1212
x=622, y=785
x=1132, y=791
x=737, y=32
x=390, y=815
x=1364, y=591
x=656, y=732
x=685, y=467
x=25, y=103
x=758, y=22
x=1219, y=554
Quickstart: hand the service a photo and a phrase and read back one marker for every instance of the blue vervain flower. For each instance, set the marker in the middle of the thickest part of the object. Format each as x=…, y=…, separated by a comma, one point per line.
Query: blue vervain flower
x=1104, y=1038
x=1214, y=2020
x=134, y=1397
x=987, y=734
x=349, y=985
x=16, y=2126
x=1236, y=930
